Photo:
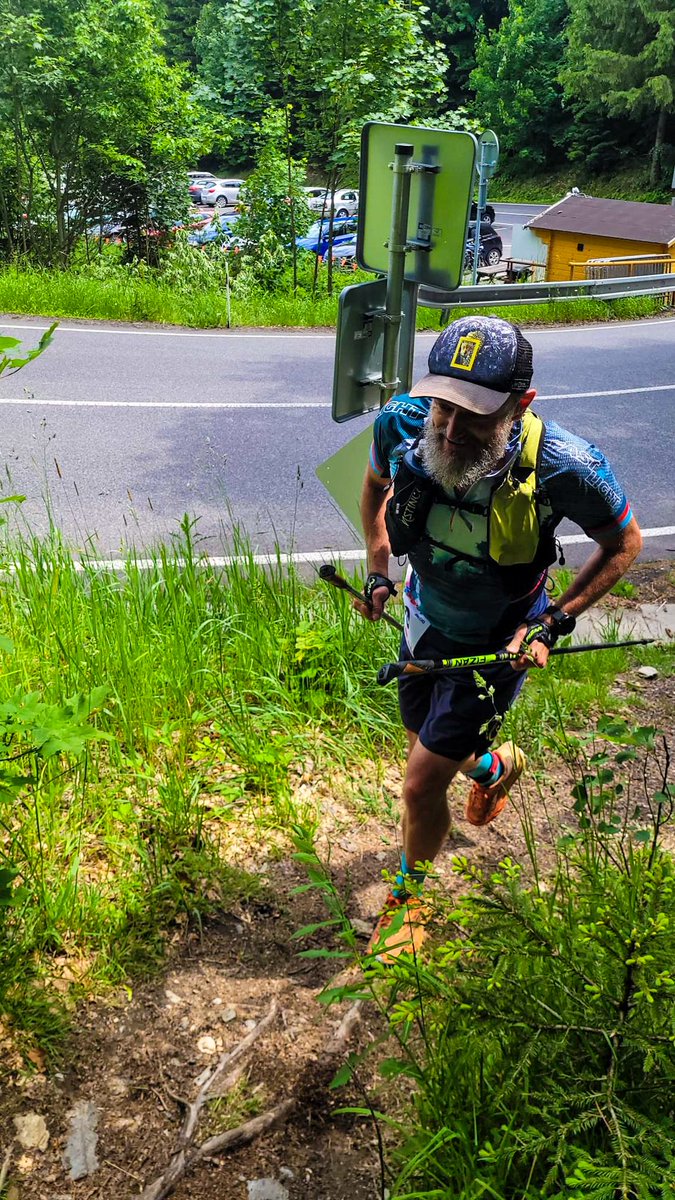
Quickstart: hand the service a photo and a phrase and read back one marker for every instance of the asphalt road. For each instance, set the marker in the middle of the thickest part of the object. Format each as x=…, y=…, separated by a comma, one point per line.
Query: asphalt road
x=117, y=431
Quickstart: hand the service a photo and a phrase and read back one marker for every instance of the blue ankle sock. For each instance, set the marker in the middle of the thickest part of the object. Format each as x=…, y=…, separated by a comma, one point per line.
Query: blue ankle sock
x=399, y=889
x=488, y=769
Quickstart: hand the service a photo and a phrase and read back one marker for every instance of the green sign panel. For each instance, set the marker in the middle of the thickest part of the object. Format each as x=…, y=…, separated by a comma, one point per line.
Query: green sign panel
x=441, y=169
x=357, y=372
x=488, y=154
x=342, y=476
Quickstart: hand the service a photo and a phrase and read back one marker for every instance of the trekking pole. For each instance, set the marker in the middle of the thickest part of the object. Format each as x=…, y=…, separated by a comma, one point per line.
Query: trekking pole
x=418, y=667
x=328, y=573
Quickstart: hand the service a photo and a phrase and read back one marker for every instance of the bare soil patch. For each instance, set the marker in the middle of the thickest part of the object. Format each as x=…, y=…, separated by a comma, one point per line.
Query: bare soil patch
x=141, y=1051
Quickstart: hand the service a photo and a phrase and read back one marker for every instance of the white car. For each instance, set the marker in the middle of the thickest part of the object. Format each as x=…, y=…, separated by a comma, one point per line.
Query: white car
x=223, y=193
x=345, y=202
x=317, y=199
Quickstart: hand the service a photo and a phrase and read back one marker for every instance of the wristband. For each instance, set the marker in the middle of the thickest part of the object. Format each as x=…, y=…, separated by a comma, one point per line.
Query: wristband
x=374, y=581
x=559, y=622
x=537, y=631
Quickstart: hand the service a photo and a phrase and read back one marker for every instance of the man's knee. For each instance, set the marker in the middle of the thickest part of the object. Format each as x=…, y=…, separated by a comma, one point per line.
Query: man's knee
x=427, y=779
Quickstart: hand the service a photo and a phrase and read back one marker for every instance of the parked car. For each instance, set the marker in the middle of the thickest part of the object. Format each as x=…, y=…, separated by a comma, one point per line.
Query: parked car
x=346, y=202
x=316, y=239
x=490, y=246
x=317, y=199
x=223, y=193
x=488, y=213
x=218, y=227
x=344, y=254
x=197, y=181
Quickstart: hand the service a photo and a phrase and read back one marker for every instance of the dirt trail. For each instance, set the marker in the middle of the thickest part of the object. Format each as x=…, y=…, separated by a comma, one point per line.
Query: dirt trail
x=137, y=1055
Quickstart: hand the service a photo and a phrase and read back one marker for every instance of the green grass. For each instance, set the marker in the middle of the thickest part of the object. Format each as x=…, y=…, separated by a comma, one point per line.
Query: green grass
x=64, y=294
x=630, y=183
x=219, y=687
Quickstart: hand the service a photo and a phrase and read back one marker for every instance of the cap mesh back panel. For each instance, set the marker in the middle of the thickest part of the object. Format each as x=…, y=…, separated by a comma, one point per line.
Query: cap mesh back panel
x=522, y=371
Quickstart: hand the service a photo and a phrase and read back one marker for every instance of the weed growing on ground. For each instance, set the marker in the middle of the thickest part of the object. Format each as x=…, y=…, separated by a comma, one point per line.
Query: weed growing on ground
x=221, y=688
x=536, y=1039
x=141, y=296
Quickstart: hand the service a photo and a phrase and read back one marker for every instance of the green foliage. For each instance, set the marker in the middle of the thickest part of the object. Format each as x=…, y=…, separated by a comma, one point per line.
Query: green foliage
x=456, y=26
x=99, y=122
x=275, y=209
x=516, y=80
x=105, y=290
x=15, y=360
x=621, y=58
x=540, y=1033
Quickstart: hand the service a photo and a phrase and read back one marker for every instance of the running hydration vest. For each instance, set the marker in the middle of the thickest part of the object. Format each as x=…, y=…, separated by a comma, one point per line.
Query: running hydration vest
x=508, y=532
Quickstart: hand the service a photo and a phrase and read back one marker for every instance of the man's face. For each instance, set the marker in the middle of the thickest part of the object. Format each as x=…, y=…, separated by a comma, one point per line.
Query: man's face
x=460, y=447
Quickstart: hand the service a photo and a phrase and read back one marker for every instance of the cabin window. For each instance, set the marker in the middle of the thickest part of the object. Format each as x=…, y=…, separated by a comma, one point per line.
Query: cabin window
x=580, y=245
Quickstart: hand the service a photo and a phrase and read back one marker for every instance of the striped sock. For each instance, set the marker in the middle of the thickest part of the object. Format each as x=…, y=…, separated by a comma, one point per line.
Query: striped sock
x=488, y=770
x=399, y=890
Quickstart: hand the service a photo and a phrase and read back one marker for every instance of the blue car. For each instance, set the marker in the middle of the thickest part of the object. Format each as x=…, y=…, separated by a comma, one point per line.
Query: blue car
x=218, y=227
x=316, y=240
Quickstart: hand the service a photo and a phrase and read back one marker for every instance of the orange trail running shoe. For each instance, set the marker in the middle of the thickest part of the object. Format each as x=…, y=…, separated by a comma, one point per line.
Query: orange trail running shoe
x=486, y=803
x=401, y=929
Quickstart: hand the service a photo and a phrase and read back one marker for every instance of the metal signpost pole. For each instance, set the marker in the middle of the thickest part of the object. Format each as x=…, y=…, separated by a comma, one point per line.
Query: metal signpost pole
x=480, y=208
x=395, y=276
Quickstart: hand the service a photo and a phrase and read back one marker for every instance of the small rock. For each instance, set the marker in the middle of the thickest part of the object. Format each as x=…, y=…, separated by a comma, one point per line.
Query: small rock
x=250, y=1024
x=648, y=672
x=266, y=1189
x=24, y=1164
x=173, y=997
x=362, y=927
x=286, y=1173
x=228, y=1014
x=80, y=1157
x=117, y=1086
x=216, y=1000
x=31, y=1131
x=206, y=1045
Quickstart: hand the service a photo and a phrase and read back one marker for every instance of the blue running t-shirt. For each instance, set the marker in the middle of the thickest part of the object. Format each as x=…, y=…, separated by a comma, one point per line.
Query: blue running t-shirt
x=464, y=600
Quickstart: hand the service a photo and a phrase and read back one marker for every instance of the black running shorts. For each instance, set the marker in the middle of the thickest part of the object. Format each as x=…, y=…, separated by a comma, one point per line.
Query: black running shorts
x=454, y=715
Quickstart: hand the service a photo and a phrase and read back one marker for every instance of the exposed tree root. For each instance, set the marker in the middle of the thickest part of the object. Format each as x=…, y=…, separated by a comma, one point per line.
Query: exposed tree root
x=218, y=1083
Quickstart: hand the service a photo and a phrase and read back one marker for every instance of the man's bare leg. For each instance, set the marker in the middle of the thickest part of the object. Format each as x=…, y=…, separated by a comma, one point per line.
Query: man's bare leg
x=426, y=815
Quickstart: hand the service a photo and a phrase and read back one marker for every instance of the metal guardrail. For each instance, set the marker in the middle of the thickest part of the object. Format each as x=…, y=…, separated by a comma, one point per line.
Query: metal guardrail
x=530, y=293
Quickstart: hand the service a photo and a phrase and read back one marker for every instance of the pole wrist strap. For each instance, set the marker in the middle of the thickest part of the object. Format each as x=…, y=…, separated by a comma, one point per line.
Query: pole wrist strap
x=537, y=631
x=374, y=581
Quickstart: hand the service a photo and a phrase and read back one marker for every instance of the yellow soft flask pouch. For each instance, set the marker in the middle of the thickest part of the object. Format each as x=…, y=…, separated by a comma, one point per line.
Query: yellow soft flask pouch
x=514, y=517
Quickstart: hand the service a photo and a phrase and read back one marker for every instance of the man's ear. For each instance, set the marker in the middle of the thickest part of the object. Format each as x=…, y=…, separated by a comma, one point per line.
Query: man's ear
x=526, y=400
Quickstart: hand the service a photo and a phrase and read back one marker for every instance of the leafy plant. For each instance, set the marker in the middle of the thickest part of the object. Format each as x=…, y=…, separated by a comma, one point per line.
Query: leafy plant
x=540, y=1033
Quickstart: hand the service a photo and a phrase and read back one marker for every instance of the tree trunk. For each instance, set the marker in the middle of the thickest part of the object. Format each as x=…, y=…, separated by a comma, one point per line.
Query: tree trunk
x=654, y=173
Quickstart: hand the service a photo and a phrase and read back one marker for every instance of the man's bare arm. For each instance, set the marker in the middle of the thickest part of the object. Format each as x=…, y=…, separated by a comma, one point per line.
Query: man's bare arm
x=374, y=496
x=602, y=570
x=598, y=575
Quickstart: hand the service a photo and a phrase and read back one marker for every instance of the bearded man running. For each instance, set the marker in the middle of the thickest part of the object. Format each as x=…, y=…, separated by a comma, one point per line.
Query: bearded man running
x=470, y=484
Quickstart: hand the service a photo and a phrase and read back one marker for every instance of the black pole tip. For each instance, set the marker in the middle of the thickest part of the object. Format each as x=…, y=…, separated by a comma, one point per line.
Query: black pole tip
x=405, y=148
x=327, y=571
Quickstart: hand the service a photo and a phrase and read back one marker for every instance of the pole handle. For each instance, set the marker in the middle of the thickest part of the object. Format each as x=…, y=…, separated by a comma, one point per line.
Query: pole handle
x=328, y=573
x=396, y=670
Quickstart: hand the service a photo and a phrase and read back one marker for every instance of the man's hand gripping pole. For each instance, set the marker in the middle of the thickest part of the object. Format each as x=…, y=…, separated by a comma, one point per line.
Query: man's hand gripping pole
x=328, y=573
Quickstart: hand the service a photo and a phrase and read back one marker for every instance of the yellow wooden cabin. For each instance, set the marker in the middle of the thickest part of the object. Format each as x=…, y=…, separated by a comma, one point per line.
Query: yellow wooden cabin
x=580, y=228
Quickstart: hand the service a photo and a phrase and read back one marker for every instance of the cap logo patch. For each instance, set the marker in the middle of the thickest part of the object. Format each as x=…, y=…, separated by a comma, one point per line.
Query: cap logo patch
x=465, y=354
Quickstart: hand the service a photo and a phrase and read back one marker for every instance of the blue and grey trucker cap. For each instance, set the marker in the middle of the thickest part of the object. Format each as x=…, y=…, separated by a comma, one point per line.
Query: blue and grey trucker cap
x=477, y=362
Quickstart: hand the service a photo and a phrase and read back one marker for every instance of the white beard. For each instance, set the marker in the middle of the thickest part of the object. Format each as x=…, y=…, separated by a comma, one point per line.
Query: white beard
x=466, y=465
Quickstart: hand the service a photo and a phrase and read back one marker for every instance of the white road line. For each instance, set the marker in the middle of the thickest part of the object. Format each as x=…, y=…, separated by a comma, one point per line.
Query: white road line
x=310, y=334
x=308, y=556
x=229, y=333
x=577, y=539
x=162, y=403
x=253, y=405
